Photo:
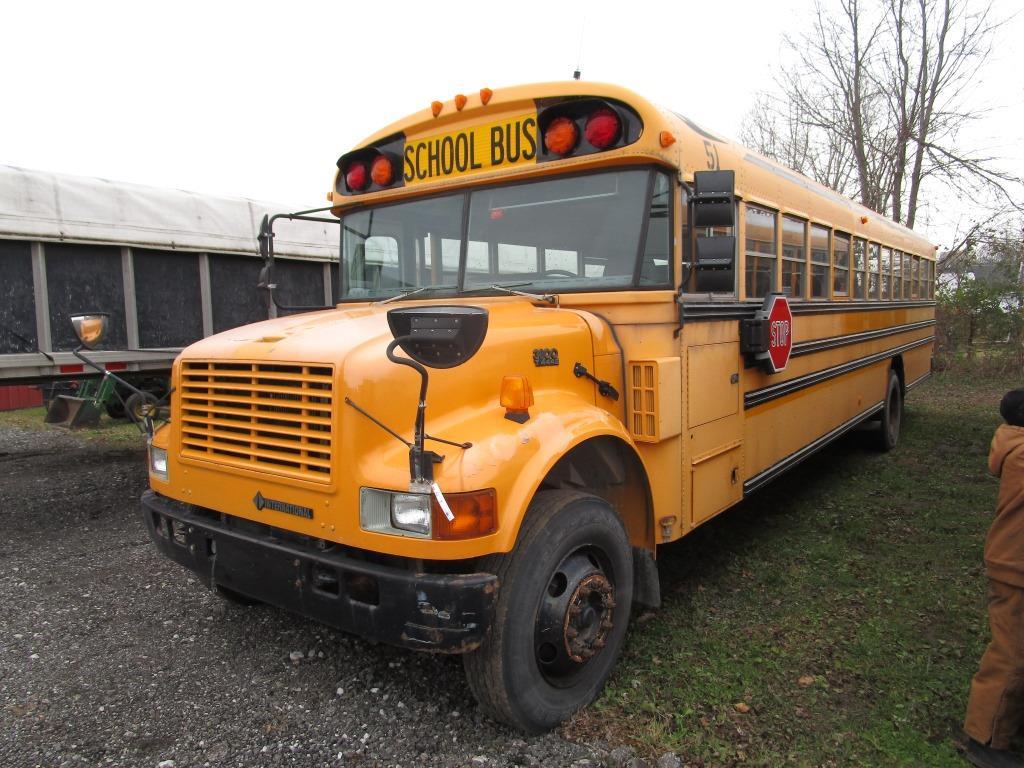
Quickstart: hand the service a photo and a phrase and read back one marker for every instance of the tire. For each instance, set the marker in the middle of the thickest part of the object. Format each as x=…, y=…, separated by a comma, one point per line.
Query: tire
x=892, y=414
x=115, y=409
x=561, y=614
x=236, y=598
x=137, y=405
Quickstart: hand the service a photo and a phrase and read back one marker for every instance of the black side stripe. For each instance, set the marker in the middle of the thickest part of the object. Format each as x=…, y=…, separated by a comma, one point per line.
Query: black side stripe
x=817, y=345
x=918, y=380
x=765, y=394
x=699, y=311
x=793, y=459
x=821, y=308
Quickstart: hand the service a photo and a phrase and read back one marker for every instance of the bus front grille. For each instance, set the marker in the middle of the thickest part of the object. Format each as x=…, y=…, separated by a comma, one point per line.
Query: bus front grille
x=272, y=417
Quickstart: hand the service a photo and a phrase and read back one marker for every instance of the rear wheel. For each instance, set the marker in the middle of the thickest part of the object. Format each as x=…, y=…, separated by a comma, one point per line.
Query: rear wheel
x=892, y=414
x=561, y=614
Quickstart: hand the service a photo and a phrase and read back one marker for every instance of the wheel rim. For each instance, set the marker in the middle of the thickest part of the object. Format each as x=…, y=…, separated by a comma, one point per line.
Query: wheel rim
x=575, y=617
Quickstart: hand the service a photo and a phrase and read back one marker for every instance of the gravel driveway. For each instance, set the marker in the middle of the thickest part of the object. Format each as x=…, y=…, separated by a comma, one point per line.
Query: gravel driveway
x=112, y=655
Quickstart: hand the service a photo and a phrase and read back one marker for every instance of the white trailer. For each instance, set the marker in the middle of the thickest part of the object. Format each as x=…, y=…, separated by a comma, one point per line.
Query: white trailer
x=169, y=266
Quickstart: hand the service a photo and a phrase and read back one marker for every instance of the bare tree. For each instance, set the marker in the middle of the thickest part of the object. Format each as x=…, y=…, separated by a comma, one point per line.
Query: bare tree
x=876, y=100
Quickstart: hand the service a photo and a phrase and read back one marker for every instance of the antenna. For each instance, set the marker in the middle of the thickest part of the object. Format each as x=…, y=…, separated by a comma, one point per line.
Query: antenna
x=579, y=54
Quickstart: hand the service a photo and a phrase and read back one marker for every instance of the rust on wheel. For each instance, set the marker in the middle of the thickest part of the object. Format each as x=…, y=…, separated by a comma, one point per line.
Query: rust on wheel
x=574, y=618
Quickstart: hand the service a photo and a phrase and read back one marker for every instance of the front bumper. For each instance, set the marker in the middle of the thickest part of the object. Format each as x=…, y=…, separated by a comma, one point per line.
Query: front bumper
x=448, y=613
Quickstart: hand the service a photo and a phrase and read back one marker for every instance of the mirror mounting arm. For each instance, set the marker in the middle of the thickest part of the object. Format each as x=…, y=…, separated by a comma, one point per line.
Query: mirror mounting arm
x=421, y=461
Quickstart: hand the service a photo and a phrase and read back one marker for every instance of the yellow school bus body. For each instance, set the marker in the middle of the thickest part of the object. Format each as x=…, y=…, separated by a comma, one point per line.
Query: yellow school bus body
x=689, y=476
x=697, y=424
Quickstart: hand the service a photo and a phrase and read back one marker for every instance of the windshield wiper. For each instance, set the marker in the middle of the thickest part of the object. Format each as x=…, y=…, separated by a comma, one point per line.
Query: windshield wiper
x=413, y=291
x=510, y=288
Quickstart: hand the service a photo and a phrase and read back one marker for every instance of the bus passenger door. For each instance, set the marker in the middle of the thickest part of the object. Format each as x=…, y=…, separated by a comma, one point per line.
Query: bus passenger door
x=715, y=428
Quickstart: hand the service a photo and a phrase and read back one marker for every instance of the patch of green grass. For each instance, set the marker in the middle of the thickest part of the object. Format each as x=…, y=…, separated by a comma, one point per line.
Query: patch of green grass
x=108, y=430
x=843, y=605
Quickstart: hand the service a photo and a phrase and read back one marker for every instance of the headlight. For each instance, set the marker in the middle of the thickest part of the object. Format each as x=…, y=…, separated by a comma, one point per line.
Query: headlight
x=158, y=462
x=411, y=512
x=401, y=514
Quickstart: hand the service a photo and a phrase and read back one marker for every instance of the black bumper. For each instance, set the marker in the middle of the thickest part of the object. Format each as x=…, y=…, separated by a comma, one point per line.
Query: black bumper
x=425, y=611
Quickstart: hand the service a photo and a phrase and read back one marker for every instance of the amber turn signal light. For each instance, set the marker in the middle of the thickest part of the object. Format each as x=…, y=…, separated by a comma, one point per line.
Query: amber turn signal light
x=561, y=136
x=382, y=171
x=516, y=398
x=473, y=514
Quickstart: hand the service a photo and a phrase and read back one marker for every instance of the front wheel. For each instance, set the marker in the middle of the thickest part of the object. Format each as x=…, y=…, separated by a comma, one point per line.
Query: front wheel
x=561, y=614
x=892, y=414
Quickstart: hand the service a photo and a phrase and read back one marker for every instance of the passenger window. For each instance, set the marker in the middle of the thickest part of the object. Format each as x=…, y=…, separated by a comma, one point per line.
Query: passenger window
x=906, y=276
x=841, y=252
x=897, y=282
x=567, y=261
x=819, y=262
x=478, y=258
x=860, y=269
x=794, y=257
x=760, y=252
x=878, y=257
x=517, y=259
x=886, y=275
x=915, y=271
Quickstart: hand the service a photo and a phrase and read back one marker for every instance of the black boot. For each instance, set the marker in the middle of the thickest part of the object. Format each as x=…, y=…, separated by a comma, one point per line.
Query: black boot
x=986, y=757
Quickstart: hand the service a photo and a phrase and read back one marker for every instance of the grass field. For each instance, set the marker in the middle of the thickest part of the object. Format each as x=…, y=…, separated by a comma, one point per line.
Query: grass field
x=108, y=430
x=833, y=619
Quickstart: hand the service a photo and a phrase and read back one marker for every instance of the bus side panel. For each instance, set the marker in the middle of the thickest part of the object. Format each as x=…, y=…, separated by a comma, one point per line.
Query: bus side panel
x=917, y=363
x=779, y=428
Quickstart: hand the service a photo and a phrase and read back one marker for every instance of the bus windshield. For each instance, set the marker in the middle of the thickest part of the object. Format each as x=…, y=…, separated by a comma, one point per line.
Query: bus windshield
x=579, y=233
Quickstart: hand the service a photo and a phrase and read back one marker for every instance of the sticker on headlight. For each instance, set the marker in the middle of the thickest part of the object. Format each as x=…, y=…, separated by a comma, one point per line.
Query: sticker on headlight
x=442, y=502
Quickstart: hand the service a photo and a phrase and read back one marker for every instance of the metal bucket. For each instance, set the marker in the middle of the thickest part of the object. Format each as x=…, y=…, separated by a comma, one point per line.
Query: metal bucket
x=72, y=412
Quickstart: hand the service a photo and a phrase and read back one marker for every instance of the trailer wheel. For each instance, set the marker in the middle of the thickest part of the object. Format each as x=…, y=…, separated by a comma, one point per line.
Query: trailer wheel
x=892, y=414
x=139, y=405
x=115, y=409
x=564, y=597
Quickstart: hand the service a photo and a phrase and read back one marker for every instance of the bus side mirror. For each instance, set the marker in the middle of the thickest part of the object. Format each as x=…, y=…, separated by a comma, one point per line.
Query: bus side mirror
x=265, y=237
x=716, y=252
x=90, y=328
x=713, y=199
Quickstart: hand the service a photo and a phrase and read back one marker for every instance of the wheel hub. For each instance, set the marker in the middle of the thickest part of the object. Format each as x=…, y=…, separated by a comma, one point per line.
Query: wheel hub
x=589, y=618
x=575, y=617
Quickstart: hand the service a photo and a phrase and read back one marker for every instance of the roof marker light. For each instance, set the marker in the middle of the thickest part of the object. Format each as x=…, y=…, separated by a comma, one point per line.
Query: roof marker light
x=666, y=139
x=485, y=95
x=561, y=136
x=436, y=107
x=460, y=102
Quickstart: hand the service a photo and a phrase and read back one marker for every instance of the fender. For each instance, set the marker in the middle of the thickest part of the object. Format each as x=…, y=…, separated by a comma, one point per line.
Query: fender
x=560, y=423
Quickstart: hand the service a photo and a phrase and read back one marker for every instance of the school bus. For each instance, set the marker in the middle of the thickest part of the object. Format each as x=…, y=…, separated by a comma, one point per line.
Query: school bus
x=570, y=326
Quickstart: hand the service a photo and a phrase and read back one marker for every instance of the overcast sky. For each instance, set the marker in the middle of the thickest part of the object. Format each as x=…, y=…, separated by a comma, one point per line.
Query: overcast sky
x=259, y=99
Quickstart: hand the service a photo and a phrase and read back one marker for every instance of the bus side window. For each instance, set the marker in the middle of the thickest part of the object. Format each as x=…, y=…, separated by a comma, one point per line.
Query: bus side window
x=841, y=251
x=760, y=251
x=820, y=262
x=860, y=269
x=886, y=273
x=794, y=257
x=897, y=280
